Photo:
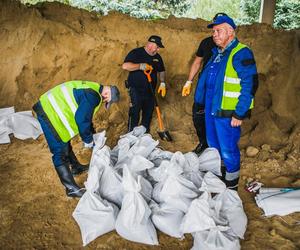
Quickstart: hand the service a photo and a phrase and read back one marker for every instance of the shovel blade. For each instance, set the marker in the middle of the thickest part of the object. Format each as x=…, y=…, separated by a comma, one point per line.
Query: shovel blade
x=165, y=135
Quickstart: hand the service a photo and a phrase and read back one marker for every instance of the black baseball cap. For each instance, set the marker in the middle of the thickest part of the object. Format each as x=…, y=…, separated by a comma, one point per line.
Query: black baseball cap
x=157, y=40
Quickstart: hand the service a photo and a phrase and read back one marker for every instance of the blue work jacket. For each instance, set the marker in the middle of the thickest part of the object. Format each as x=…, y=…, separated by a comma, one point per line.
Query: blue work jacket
x=245, y=66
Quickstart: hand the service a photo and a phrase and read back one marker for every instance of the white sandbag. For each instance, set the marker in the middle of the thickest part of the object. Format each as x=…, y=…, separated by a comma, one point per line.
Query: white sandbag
x=160, y=173
x=22, y=124
x=215, y=239
x=133, y=222
x=25, y=126
x=94, y=216
x=136, y=132
x=192, y=162
x=167, y=219
x=195, y=177
x=98, y=162
x=158, y=155
x=210, y=160
x=212, y=184
x=280, y=202
x=228, y=205
x=198, y=217
x=143, y=146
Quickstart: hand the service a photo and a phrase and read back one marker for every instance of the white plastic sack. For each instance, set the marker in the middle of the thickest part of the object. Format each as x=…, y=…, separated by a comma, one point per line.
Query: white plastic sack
x=133, y=222
x=199, y=216
x=210, y=160
x=167, y=219
x=229, y=206
x=280, y=202
x=94, y=216
x=215, y=239
x=22, y=124
x=158, y=155
x=212, y=184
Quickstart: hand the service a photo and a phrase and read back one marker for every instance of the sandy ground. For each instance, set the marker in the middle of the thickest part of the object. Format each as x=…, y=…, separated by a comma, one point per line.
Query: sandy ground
x=49, y=44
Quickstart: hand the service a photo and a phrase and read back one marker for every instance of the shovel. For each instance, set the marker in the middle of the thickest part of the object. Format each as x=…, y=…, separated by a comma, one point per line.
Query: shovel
x=163, y=134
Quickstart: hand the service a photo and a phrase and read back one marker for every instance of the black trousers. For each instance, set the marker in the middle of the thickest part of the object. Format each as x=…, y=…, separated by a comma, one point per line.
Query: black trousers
x=140, y=103
x=199, y=122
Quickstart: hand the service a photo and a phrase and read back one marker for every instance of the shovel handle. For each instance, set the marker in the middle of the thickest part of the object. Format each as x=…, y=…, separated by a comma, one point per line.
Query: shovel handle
x=160, y=123
x=148, y=74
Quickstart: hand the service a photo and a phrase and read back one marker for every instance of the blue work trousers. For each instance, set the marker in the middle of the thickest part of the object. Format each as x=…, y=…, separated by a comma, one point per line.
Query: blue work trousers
x=59, y=149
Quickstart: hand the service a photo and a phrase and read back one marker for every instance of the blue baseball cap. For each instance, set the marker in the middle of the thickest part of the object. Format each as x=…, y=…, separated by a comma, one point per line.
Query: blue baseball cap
x=222, y=19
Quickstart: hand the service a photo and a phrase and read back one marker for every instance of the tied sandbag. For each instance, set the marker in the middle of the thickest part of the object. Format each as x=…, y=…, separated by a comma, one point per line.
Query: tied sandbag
x=167, y=219
x=158, y=155
x=199, y=215
x=94, y=216
x=133, y=222
x=229, y=208
x=215, y=239
x=173, y=188
x=210, y=160
x=278, y=201
x=212, y=184
x=191, y=169
x=22, y=124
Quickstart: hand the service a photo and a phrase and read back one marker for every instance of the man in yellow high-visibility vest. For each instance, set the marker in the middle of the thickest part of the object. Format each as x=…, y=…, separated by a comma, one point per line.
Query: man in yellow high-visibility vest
x=65, y=111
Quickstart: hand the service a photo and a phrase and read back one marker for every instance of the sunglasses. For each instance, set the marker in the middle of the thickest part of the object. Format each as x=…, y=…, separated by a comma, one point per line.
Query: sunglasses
x=217, y=15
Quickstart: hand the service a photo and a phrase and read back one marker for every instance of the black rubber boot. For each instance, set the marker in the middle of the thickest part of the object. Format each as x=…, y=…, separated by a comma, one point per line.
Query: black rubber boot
x=200, y=148
x=76, y=167
x=66, y=178
x=233, y=184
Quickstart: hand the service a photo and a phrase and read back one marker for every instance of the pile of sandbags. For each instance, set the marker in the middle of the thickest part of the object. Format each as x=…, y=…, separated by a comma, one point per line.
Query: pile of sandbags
x=137, y=187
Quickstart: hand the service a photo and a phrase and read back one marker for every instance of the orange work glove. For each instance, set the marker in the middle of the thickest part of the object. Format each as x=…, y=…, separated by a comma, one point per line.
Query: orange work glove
x=186, y=90
x=162, y=89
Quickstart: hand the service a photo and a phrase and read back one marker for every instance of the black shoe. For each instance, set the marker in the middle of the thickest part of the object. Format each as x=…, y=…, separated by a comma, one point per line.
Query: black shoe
x=66, y=178
x=200, y=148
x=77, y=169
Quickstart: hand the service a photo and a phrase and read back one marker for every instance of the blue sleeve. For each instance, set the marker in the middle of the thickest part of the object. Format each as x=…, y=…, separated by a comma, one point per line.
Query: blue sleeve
x=245, y=66
x=87, y=100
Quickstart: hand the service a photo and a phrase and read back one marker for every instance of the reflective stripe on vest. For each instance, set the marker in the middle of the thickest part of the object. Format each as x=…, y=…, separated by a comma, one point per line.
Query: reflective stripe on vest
x=60, y=106
x=231, y=85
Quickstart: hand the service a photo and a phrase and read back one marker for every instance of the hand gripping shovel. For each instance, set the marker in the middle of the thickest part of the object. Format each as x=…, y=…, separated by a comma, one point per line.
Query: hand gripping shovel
x=163, y=134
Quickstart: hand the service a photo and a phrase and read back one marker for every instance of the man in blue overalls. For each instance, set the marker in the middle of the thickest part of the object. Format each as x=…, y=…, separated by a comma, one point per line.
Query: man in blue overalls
x=226, y=88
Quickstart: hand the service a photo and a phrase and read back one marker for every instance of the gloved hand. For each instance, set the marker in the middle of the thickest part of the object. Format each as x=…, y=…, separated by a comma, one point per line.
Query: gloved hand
x=89, y=145
x=162, y=89
x=145, y=66
x=186, y=90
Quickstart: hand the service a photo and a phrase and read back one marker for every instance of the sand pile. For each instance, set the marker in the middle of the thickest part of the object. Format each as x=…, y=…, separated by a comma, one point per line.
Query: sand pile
x=48, y=44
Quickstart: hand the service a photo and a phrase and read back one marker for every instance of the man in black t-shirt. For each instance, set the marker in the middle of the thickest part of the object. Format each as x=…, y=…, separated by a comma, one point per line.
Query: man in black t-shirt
x=203, y=55
x=136, y=62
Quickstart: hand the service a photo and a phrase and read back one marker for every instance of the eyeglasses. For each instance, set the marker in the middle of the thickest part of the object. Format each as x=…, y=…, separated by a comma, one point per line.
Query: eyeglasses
x=219, y=14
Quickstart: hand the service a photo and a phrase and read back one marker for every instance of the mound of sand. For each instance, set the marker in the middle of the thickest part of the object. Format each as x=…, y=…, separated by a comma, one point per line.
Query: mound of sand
x=51, y=43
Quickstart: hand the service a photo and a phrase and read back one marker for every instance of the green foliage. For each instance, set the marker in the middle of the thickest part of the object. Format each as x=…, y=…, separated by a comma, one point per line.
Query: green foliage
x=287, y=13
x=206, y=9
x=250, y=11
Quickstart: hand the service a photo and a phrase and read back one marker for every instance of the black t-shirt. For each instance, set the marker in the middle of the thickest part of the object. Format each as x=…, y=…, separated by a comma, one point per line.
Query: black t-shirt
x=137, y=79
x=205, y=49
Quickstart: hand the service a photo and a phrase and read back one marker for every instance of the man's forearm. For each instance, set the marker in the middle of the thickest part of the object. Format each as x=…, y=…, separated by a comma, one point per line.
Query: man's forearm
x=162, y=76
x=131, y=66
x=195, y=68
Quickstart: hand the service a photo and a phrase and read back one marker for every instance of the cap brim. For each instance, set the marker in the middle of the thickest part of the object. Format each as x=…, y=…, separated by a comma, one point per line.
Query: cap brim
x=212, y=25
x=108, y=104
